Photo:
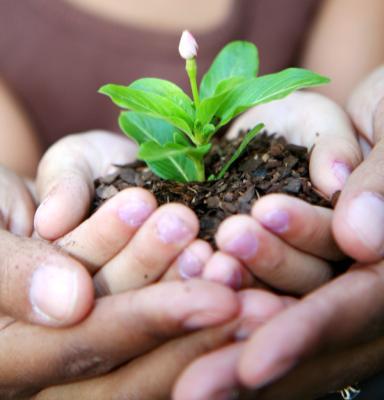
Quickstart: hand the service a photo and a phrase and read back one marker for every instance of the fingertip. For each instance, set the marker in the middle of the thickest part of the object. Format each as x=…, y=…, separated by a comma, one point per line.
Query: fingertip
x=198, y=383
x=224, y=269
x=213, y=304
x=175, y=224
x=260, y=304
x=238, y=236
x=60, y=294
x=257, y=307
x=63, y=208
x=358, y=226
x=331, y=166
x=191, y=261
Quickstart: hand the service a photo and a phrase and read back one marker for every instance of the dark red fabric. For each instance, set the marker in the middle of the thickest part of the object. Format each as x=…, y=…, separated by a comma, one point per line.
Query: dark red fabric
x=55, y=57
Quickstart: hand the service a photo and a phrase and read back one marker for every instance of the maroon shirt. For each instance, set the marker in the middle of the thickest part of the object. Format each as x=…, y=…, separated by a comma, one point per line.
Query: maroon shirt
x=55, y=56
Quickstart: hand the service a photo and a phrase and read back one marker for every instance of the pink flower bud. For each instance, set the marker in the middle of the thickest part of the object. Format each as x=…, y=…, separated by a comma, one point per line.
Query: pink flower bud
x=188, y=46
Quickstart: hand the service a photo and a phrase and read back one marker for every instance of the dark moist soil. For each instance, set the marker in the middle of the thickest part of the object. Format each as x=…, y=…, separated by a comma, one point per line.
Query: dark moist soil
x=268, y=165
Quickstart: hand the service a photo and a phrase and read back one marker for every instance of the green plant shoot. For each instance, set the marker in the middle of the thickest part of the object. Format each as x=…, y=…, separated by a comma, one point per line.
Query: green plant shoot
x=174, y=131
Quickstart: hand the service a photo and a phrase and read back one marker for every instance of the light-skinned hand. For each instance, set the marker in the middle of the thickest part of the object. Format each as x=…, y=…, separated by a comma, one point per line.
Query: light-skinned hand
x=287, y=243
x=339, y=326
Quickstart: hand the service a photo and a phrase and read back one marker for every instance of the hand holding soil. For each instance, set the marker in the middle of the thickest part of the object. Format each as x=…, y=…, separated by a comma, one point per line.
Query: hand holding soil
x=333, y=337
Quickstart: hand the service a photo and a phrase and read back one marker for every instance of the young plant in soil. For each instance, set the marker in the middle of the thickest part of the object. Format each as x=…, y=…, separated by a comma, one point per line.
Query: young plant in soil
x=183, y=160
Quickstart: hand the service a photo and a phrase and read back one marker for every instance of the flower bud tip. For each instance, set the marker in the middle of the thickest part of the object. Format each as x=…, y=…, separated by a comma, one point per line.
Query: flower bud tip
x=188, y=46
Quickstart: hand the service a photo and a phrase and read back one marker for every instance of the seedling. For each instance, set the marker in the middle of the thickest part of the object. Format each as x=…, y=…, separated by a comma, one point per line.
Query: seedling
x=174, y=131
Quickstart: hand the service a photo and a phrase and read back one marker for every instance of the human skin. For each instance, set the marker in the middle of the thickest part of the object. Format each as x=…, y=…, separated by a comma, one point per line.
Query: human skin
x=54, y=177
x=16, y=146
x=283, y=235
x=64, y=180
x=338, y=327
x=118, y=328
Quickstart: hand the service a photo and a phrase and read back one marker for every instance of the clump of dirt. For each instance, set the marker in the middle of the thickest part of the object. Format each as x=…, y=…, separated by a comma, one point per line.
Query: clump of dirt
x=268, y=165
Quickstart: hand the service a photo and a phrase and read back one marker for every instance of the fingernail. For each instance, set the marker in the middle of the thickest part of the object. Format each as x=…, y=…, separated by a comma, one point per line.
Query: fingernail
x=39, y=210
x=134, y=212
x=341, y=171
x=244, y=246
x=189, y=265
x=172, y=229
x=366, y=217
x=277, y=221
x=53, y=293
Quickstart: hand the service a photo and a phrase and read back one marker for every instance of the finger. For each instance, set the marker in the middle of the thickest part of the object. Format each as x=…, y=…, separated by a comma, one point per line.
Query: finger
x=120, y=328
x=109, y=229
x=301, y=225
x=359, y=216
x=227, y=270
x=131, y=380
x=341, y=313
x=66, y=174
x=166, y=233
x=220, y=385
x=40, y=285
x=331, y=166
x=198, y=382
x=309, y=119
x=269, y=258
x=363, y=103
x=16, y=204
x=190, y=263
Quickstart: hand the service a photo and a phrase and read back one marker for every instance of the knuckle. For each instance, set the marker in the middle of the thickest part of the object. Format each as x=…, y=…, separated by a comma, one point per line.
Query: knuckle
x=146, y=261
x=81, y=361
x=100, y=242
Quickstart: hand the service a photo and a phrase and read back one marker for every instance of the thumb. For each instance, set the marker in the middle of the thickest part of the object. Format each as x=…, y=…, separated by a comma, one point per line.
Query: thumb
x=65, y=178
x=40, y=285
x=358, y=223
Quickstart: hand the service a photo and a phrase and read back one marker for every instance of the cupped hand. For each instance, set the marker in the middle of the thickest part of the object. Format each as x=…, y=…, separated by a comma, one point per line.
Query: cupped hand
x=152, y=376
x=128, y=242
x=359, y=216
x=287, y=243
x=28, y=266
x=119, y=328
x=64, y=182
x=338, y=327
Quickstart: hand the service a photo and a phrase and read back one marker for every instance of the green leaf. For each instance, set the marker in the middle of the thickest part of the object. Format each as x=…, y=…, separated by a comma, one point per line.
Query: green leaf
x=238, y=58
x=245, y=142
x=150, y=103
x=209, y=106
x=265, y=89
x=174, y=161
x=208, y=130
x=142, y=128
x=179, y=138
x=168, y=90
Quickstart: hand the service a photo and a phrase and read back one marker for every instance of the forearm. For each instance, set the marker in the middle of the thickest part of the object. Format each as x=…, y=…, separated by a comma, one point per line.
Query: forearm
x=345, y=44
x=20, y=149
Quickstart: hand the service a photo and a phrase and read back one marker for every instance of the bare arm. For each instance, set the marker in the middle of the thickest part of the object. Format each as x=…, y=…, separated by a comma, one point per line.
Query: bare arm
x=20, y=149
x=346, y=43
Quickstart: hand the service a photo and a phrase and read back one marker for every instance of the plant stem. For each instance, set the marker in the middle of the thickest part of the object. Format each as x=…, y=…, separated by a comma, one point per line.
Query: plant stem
x=200, y=170
x=191, y=68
